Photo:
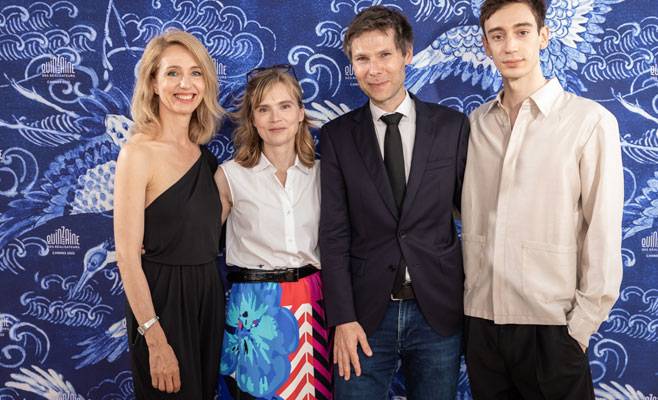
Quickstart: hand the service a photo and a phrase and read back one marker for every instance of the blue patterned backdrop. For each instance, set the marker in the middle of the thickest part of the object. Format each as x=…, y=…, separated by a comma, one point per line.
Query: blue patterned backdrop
x=66, y=77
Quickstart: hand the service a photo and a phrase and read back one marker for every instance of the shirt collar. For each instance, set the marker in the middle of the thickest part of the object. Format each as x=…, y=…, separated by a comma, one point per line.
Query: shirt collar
x=495, y=102
x=264, y=163
x=404, y=108
x=544, y=98
x=298, y=164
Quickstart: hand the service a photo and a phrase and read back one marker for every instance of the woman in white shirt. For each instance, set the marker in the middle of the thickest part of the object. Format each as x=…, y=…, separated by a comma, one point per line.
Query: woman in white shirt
x=276, y=342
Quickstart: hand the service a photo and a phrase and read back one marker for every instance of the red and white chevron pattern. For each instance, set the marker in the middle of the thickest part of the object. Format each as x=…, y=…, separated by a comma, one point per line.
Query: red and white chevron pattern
x=310, y=372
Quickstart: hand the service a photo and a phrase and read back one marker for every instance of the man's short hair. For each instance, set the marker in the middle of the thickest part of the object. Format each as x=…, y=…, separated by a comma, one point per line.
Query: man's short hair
x=489, y=7
x=380, y=18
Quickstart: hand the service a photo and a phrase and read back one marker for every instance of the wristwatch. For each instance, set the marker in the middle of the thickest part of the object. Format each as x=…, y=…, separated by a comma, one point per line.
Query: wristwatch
x=146, y=325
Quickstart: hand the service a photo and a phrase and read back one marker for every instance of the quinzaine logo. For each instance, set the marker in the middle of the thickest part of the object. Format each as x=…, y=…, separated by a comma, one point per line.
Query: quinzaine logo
x=222, y=74
x=4, y=325
x=69, y=396
x=349, y=75
x=650, y=245
x=63, y=242
x=57, y=69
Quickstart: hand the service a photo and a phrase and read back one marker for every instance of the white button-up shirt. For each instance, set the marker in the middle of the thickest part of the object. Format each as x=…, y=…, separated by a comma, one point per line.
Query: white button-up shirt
x=541, y=212
x=272, y=226
x=407, y=127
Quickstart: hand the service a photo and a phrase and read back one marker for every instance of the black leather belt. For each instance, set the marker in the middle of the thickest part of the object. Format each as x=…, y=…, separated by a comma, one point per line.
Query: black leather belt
x=242, y=275
x=406, y=292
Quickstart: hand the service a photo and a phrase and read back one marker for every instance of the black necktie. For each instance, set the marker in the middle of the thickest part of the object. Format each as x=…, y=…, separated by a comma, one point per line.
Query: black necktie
x=393, y=157
x=394, y=160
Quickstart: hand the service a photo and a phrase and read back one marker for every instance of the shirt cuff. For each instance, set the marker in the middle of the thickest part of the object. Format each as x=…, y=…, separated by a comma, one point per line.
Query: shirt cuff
x=580, y=327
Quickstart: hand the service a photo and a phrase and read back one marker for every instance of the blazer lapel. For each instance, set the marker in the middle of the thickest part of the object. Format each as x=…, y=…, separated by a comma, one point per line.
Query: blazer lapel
x=422, y=146
x=367, y=145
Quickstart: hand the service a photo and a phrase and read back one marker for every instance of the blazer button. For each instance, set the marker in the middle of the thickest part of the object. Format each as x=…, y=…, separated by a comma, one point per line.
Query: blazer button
x=403, y=235
x=392, y=267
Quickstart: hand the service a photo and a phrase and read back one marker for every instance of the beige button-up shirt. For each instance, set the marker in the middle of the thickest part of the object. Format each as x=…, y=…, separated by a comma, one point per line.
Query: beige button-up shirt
x=541, y=211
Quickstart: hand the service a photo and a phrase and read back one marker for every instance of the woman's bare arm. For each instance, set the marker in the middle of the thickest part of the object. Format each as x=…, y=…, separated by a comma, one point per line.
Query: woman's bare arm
x=131, y=180
x=224, y=193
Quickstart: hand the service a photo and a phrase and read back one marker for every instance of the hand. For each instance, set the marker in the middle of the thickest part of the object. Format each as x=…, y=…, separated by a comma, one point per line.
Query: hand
x=583, y=348
x=347, y=337
x=165, y=374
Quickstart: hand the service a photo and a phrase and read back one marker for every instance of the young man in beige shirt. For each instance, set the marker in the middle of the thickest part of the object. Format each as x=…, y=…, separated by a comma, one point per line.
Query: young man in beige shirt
x=541, y=210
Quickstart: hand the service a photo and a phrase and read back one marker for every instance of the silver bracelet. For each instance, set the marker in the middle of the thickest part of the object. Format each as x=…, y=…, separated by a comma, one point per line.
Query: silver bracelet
x=146, y=325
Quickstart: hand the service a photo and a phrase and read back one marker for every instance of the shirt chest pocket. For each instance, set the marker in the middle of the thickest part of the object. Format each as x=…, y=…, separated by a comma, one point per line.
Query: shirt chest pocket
x=549, y=271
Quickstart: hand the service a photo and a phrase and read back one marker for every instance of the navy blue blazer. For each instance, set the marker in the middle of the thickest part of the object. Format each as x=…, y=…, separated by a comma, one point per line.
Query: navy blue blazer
x=362, y=234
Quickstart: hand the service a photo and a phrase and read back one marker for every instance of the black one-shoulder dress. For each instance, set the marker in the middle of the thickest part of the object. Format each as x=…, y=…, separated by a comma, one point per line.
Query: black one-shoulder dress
x=182, y=229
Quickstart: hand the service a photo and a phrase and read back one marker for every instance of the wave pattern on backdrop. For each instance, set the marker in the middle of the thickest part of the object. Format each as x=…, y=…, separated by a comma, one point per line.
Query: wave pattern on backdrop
x=68, y=73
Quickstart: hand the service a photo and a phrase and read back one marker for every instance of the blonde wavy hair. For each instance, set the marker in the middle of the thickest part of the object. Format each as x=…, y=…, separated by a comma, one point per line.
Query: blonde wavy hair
x=145, y=104
x=248, y=144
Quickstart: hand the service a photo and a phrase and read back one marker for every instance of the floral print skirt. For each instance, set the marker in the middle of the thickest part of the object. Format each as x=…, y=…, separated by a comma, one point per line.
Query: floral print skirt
x=276, y=342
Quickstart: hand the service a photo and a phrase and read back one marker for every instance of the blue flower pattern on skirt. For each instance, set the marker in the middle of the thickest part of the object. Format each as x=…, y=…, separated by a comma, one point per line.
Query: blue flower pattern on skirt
x=259, y=336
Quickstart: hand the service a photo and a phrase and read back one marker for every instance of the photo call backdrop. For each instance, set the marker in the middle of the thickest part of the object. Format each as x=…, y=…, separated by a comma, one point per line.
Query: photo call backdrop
x=67, y=70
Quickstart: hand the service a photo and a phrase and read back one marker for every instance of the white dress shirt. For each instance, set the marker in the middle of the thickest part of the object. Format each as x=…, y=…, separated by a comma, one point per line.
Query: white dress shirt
x=407, y=127
x=271, y=226
x=541, y=211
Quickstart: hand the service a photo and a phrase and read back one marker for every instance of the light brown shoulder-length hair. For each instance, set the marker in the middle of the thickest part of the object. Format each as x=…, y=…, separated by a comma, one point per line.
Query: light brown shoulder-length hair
x=145, y=104
x=247, y=142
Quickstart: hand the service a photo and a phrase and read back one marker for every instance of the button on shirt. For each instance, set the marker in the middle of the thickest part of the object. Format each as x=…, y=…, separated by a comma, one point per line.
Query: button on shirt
x=271, y=226
x=541, y=212
x=407, y=127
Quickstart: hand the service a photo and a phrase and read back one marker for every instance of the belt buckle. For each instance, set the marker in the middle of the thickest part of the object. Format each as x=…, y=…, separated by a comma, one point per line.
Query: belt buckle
x=395, y=298
x=401, y=289
x=291, y=275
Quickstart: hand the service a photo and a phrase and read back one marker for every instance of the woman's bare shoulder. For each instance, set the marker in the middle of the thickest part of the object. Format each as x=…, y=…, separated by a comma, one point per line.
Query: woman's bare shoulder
x=138, y=150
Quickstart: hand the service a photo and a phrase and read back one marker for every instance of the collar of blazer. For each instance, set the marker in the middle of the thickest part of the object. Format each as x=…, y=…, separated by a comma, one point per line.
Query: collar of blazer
x=366, y=143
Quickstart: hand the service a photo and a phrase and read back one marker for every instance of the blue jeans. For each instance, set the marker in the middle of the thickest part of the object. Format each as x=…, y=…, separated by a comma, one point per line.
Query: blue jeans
x=430, y=362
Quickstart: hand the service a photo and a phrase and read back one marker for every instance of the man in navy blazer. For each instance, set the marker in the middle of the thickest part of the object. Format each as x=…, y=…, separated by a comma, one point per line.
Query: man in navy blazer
x=391, y=178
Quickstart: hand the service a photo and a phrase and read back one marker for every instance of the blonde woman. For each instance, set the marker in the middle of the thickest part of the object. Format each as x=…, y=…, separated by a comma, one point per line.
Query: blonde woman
x=276, y=343
x=166, y=199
